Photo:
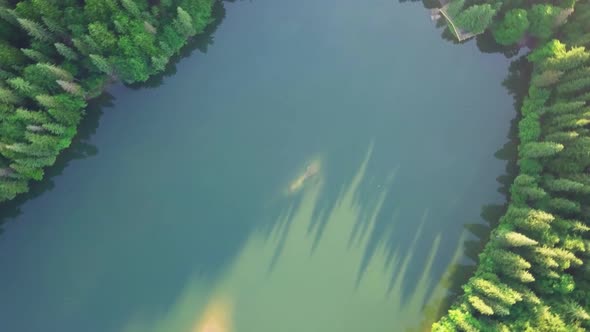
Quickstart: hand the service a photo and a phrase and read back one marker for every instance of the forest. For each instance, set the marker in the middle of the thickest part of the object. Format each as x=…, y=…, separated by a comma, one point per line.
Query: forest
x=533, y=274
x=56, y=55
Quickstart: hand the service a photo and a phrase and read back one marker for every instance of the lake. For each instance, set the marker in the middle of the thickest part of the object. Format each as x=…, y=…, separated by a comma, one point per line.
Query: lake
x=317, y=166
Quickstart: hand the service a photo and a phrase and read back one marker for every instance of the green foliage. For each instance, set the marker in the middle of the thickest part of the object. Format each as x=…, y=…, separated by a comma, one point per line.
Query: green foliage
x=22, y=87
x=515, y=239
x=10, y=56
x=574, y=58
x=546, y=78
x=184, y=23
x=66, y=52
x=8, y=97
x=455, y=7
x=35, y=55
x=512, y=28
x=35, y=29
x=564, y=185
x=542, y=19
x=131, y=7
x=526, y=189
x=476, y=18
x=540, y=149
x=573, y=86
x=102, y=37
x=480, y=305
x=565, y=107
x=529, y=128
x=553, y=48
x=565, y=206
x=101, y=64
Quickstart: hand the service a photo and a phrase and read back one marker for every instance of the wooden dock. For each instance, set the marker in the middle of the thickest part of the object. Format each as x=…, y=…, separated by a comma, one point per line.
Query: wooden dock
x=459, y=33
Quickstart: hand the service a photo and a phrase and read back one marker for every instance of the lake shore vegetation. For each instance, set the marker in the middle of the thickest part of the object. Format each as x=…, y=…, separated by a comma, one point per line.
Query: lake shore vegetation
x=56, y=55
x=533, y=274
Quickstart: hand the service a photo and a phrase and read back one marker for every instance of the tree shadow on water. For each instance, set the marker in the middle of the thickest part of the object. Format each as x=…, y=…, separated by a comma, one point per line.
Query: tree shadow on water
x=459, y=273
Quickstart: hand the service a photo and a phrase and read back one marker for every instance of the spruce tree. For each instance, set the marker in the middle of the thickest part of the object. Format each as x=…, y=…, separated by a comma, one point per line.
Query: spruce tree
x=35, y=30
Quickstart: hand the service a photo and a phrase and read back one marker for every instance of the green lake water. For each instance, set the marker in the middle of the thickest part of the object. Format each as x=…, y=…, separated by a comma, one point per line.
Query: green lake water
x=172, y=210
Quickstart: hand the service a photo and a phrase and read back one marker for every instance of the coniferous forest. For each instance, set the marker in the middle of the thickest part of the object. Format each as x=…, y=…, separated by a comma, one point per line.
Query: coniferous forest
x=56, y=55
x=533, y=274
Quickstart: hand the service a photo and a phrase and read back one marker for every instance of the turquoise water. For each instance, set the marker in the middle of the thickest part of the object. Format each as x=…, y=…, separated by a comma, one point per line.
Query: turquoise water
x=186, y=204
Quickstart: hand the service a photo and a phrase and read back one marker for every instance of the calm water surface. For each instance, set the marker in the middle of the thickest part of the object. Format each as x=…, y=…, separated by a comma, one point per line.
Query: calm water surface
x=175, y=213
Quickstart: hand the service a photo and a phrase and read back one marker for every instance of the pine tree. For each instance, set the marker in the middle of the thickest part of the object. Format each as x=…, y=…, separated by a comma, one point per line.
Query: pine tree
x=28, y=171
x=149, y=28
x=576, y=74
x=562, y=136
x=131, y=7
x=71, y=87
x=480, y=305
x=56, y=128
x=572, y=59
x=81, y=46
x=101, y=64
x=495, y=290
x=53, y=26
x=184, y=23
x=583, y=97
x=476, y=18
x=46, y=101
x=22, y=87
x=573, y=86
x=8, y=97
x=464, y=320
x=35, y=128
x=567, y=121
x=9, y=15
x=576, y=311
x=57, y=72
x=159, y=63
x=31, y=116
x=504, y=257
x=10, y=188
x=66, y=52
x=564, y=205
x=35, y=55
x=515, y=239
x=564, y=185
x=540, y=149
x=528, y=219
x=547, y=78
x=565, y=107
x=35, y=30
